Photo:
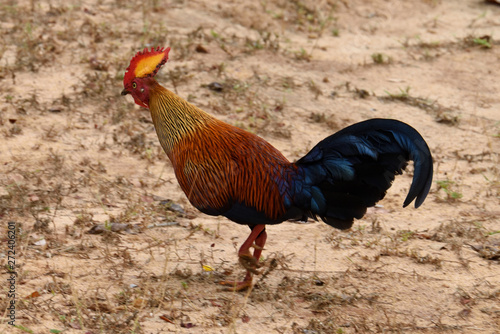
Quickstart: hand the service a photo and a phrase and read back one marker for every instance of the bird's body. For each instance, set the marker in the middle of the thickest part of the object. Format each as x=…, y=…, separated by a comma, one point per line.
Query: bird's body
x=214, y=160
x=224, y=170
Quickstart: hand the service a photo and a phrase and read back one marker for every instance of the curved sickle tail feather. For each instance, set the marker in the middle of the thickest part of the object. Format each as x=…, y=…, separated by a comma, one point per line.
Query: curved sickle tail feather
x=352, y=169
x=423, y=171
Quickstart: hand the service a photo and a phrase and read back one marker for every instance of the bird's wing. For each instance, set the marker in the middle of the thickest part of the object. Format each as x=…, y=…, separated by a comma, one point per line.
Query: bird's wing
x=233, y=173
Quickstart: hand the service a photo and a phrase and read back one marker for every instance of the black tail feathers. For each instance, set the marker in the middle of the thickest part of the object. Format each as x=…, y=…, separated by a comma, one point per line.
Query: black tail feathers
x=352, y=169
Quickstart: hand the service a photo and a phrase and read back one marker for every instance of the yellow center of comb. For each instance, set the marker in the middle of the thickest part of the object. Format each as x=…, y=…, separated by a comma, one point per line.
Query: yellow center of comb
x=148, y=65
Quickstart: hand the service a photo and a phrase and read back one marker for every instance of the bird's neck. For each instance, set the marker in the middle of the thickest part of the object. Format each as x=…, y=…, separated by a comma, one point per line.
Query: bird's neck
x=174, y=118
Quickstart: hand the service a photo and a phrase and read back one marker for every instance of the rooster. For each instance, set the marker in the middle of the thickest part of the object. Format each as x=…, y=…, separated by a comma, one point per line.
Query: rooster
x=224, y=170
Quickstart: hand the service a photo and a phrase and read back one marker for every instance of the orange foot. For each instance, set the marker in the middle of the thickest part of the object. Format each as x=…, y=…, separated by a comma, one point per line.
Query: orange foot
x=251, y=264
x=236, y=286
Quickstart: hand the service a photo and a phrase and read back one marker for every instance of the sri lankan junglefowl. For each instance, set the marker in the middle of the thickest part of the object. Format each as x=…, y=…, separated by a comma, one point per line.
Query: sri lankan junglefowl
x=224, y=170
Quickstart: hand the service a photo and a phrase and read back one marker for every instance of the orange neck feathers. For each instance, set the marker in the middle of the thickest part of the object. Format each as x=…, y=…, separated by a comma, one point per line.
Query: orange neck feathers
x=175, y=118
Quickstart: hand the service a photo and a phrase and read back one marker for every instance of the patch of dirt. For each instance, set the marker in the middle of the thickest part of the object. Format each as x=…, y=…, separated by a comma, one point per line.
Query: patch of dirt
x=76, y=157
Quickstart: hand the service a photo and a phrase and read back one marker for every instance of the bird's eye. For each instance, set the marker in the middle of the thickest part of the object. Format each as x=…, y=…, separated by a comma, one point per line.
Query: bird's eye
x=134, y=85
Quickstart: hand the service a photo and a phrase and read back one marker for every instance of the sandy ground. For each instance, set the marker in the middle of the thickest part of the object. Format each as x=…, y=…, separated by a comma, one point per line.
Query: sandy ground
x=76, y=156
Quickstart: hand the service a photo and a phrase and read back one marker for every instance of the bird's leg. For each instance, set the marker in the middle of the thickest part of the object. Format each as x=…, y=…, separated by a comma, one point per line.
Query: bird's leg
x=251, y=263
x=260, y=241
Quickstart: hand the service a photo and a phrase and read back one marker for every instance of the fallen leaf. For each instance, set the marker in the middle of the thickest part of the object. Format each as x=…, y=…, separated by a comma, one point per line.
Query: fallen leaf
x=201, y=49
x=207, y=268
x=465, y=301
x=164, y=318
x=35, y=294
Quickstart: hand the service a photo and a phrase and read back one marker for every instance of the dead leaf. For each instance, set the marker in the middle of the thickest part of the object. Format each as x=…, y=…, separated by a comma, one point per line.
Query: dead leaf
x=164, y=318
x=201, y=49
x=35, y=294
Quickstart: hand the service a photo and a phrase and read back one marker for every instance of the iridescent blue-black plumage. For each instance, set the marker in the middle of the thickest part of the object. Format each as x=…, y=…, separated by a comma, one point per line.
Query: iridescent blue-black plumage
x=352, y=169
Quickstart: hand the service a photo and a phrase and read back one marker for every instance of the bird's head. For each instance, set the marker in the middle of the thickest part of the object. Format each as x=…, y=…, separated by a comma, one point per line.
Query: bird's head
x=139, y=75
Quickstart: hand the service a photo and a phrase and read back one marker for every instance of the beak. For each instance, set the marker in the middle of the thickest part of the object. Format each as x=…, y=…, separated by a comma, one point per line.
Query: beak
x=125, y=92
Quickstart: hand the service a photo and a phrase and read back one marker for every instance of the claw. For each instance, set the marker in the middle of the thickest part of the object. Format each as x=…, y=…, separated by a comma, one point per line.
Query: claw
x=235, y=286
x=255, y=246
x=249, y=263
x=238, y=286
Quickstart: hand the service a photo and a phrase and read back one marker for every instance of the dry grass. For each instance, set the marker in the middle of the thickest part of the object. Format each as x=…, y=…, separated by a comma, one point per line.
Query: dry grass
x=107, y=243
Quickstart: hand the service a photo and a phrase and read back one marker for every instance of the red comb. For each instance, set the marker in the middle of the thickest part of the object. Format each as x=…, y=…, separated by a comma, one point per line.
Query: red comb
x=146, y=63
